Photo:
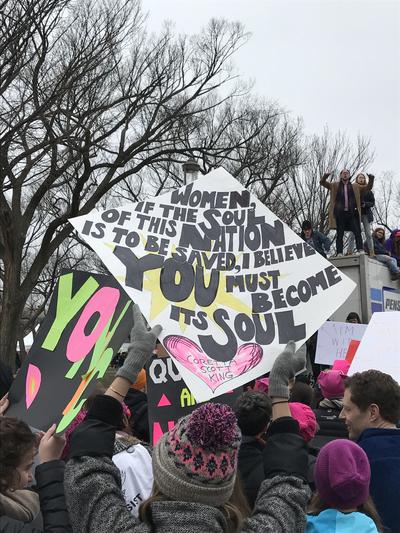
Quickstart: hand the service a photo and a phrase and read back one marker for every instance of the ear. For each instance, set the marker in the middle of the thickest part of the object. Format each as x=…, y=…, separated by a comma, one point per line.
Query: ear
x=374, y=412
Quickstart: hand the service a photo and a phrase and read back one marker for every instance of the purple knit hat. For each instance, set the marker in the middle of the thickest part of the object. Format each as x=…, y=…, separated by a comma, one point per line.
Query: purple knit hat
x=342, y=474
x=197, y=460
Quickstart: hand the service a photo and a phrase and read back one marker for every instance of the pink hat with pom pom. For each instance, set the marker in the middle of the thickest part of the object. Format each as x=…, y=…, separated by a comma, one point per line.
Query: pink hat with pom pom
x=197, y=460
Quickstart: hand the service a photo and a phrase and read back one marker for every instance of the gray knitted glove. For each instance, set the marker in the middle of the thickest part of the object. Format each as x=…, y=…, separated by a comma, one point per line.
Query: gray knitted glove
x=286, y=365
x=143, y=342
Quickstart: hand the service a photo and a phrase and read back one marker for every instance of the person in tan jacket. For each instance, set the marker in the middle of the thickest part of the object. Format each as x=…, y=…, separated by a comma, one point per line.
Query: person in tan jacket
x=345, y=207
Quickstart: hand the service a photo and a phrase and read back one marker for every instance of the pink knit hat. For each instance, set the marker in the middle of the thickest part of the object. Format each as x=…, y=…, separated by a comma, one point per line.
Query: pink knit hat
x=331, y=381
x=306, y=418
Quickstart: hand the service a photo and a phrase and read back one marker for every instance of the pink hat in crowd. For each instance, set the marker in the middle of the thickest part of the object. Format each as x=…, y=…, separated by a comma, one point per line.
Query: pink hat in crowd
x=331, y=382
x=262, y=385
x=306, y=418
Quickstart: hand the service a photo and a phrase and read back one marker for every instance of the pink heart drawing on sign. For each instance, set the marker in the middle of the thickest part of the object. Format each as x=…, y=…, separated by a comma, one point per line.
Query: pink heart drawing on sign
x=213, y=373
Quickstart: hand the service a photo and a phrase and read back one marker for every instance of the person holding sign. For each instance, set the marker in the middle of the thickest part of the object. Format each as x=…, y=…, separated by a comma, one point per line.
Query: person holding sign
x=194, y=464
x=367, y=203
x=345, y=207
x=20, y=508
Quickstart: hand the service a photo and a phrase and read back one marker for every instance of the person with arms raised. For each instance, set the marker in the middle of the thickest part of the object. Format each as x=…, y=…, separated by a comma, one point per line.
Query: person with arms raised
x=194, y=464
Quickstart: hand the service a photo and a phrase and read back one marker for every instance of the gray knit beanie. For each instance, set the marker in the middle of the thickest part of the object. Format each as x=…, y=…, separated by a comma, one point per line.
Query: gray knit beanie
x=197, y=460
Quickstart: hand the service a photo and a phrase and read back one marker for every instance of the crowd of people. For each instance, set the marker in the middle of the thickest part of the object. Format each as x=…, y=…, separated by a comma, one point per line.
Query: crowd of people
x=351, y=205
x=299, y=452
x=289, y=457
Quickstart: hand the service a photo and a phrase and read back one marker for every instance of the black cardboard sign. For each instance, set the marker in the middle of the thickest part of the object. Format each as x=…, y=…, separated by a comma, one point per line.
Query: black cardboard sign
x=89, y=317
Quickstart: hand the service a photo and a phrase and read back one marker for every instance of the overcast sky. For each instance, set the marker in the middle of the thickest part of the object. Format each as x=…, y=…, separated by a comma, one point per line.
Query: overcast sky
x=333, y=62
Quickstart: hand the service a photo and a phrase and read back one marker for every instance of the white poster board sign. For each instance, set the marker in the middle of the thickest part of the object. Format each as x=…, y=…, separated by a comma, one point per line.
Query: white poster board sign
x=391, y=301
x=229, y=282
x=334, y=339
x=380, y=346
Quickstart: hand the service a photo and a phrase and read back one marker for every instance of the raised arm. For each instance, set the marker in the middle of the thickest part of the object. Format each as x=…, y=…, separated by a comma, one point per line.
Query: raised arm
x=281, y=502
x=370, y=184
x=323, y=181
x=50, y=483
x=92, y=481
x=143, y=342
x=285, y=367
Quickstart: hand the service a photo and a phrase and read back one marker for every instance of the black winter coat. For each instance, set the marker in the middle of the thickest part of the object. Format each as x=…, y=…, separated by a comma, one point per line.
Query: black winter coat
x=367, y=203
x=283, y=458
x=330, y=427
x=251, y=467
x=136, y=400
x=50, y=485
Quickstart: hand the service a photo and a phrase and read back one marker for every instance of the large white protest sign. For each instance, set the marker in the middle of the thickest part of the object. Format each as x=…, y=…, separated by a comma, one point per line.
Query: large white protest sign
x=227, y=280
x=334, y=339
x=380, y=346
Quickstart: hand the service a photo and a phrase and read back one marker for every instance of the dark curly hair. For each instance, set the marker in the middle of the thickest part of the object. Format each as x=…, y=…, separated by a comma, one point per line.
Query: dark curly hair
x=16, y=440
x=253, y=410
x=373, y=386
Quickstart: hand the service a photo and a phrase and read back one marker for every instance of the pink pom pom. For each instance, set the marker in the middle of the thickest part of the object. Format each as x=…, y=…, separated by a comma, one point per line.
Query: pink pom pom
x=213, y=426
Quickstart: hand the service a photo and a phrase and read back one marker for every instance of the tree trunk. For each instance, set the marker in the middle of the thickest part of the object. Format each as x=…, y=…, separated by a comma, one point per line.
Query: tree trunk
x=8, y=333
x=11, y=312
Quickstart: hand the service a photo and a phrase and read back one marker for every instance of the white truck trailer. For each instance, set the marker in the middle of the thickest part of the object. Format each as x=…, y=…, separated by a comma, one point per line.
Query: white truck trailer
x=375, y=290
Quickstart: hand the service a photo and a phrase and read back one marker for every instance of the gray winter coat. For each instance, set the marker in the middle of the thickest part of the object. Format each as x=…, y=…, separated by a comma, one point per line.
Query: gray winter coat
x=96, y=505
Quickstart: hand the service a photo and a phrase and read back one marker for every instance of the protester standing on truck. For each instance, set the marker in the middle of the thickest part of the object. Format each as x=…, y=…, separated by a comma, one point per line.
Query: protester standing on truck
x=345, y=207
x=367, y=203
